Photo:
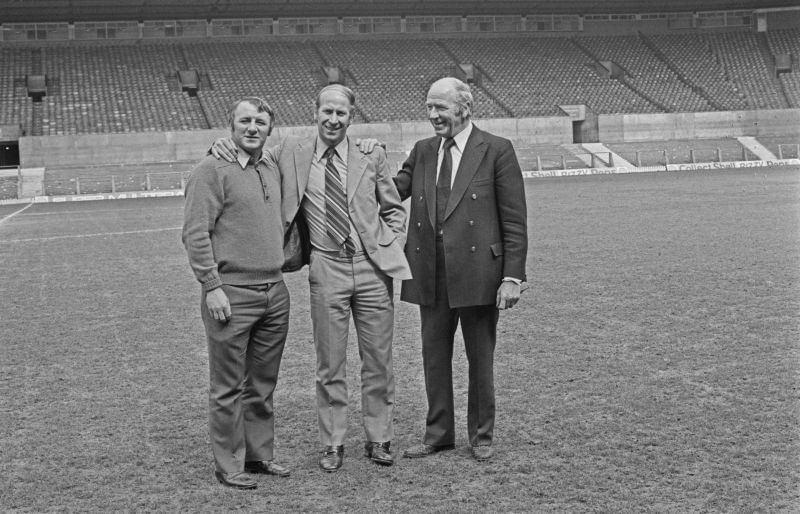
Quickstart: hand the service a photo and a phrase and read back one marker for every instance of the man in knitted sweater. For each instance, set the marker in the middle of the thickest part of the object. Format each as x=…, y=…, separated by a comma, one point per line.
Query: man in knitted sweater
x=234, y=237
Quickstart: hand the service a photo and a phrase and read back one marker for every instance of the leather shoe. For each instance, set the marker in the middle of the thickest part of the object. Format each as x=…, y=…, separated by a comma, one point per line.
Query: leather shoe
x=482, y=452
x=379, y=453
x=424, y=450
x=331, y=459
x=266, y=467
x=236, y=480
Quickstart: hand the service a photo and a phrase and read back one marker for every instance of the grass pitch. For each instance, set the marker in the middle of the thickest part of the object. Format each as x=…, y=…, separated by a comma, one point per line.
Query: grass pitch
x=652, y=365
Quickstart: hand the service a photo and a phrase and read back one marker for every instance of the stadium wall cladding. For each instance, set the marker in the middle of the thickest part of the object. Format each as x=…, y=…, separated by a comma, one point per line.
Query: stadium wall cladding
x=45, y=151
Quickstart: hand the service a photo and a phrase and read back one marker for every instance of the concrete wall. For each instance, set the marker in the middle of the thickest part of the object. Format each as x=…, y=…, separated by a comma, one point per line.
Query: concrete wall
x=148, y=147
x=698, y=125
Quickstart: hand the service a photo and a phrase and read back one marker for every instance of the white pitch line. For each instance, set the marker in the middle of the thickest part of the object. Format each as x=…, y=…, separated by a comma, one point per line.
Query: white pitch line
x=14, y=213
x=52, y=238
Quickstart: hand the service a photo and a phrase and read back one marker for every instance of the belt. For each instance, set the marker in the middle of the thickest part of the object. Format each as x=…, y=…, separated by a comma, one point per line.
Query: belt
x=339, y=255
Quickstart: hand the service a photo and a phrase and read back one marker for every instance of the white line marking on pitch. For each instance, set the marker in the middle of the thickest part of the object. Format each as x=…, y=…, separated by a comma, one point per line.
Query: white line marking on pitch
x=52, y=238
x=14, y=213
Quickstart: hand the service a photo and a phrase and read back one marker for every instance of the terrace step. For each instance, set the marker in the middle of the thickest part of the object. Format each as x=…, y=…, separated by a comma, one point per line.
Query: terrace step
x=757, y=148
x=31, y=182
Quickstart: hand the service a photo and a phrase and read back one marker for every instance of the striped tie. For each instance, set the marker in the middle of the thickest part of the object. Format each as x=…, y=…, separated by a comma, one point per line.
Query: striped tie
x=337, y=220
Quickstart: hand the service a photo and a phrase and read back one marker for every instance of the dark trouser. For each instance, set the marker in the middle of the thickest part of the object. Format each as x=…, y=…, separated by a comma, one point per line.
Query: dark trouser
x=244, y=355
x=479, y=328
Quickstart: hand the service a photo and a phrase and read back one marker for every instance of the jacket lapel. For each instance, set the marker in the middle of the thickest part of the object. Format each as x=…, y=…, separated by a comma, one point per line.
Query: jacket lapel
x=356, y=165
x=470, y=160
x=431, y=160
x=303, y=153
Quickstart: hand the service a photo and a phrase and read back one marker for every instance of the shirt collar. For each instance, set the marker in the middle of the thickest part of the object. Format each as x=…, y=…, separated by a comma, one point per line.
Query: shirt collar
x=460, y=139
x=243, y=158
x=341, y=149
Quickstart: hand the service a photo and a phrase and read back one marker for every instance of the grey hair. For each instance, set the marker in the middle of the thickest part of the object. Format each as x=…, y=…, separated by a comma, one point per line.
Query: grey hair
x=463, y=96
x=346, y=91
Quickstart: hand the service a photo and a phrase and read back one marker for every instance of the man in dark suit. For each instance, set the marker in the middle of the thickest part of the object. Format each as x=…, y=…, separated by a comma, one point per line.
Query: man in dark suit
x=467, y=245
x=353, y=263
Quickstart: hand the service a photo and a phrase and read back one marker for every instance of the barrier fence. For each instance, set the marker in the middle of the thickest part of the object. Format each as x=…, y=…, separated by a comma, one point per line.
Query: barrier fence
x=115, y=183
x=98, y=183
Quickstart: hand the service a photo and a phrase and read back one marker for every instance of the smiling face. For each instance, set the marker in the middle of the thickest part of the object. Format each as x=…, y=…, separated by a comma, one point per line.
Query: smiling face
x=447, y=116
x=334, y=115
x=249, y=127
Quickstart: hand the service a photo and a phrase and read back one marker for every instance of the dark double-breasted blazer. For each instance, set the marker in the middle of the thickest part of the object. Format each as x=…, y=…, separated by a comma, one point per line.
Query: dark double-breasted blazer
x=485, y=227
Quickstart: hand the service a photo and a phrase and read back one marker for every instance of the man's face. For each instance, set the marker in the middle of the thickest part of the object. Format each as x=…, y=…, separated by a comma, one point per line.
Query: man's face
x=333, y=117
x=444, y=113
x=250, y=128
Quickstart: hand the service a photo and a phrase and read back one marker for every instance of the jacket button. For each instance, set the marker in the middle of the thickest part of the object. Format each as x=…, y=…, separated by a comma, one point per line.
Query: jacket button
x=419, y=225
x=420, y=198
x=472, y=249
x=416, y=249
x=474, y=196
x=471, y=223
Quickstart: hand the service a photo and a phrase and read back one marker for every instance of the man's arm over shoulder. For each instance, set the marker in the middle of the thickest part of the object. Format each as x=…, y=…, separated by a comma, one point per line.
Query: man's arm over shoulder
x=405, y=176
x=204, y=197
x=512, y=209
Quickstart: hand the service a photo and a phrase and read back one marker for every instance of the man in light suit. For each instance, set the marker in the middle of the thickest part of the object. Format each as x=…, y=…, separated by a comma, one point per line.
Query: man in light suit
x=467, y=246
x=351, y=267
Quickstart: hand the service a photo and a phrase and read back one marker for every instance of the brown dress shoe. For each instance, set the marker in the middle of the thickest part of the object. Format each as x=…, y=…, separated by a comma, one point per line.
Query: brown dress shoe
x=266, y=467
x=331, y=458
x=424, y=450
x=482, y=452
x=379, y=453
x=236, y=480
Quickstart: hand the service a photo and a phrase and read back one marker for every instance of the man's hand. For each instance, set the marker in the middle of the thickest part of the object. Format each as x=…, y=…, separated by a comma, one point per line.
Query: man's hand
x=224, y=148
x=507, y=295
x=218, y=304
x=368, y=145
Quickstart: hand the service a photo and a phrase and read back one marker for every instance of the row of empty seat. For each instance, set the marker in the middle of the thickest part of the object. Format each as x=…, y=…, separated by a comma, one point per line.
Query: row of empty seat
x=133, y=87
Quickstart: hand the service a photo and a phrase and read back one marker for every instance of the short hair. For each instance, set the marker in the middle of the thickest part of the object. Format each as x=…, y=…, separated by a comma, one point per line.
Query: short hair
x=463, y=95
x=346, y=91
x=260, y=104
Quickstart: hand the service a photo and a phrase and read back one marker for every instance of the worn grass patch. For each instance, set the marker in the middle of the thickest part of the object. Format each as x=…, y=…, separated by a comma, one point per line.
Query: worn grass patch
x=651, y=366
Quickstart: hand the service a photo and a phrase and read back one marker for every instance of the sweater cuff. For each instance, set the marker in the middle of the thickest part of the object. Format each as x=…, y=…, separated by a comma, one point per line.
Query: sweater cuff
x=214, y=283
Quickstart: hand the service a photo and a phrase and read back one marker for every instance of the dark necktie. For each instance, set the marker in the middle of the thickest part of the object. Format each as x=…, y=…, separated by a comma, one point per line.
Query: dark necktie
x=443, y=183
x=337, y=220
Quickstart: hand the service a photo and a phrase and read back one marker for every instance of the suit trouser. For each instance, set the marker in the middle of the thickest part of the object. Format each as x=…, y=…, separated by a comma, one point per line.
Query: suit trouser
x=244, y=355
x=340, y=285
x=479, y=328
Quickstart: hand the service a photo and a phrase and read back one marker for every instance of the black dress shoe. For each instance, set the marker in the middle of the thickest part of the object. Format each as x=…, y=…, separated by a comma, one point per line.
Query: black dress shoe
x=424, y=450
x=482, y=452
x=266, y=467
x=331, y=458
x=379, y=453
x=236, y=480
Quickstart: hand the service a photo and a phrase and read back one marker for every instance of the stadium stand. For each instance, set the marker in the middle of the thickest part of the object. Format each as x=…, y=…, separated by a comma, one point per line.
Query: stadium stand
x=645, y=72
x=287, y=74
x=124, y=87
x=15, y=64
x=787, y=42
x=692, y=55
x=747, y=68
x=533, y=76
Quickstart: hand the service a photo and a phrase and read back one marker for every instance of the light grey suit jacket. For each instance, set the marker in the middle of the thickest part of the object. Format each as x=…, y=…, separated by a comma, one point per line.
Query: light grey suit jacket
x=373, y=202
